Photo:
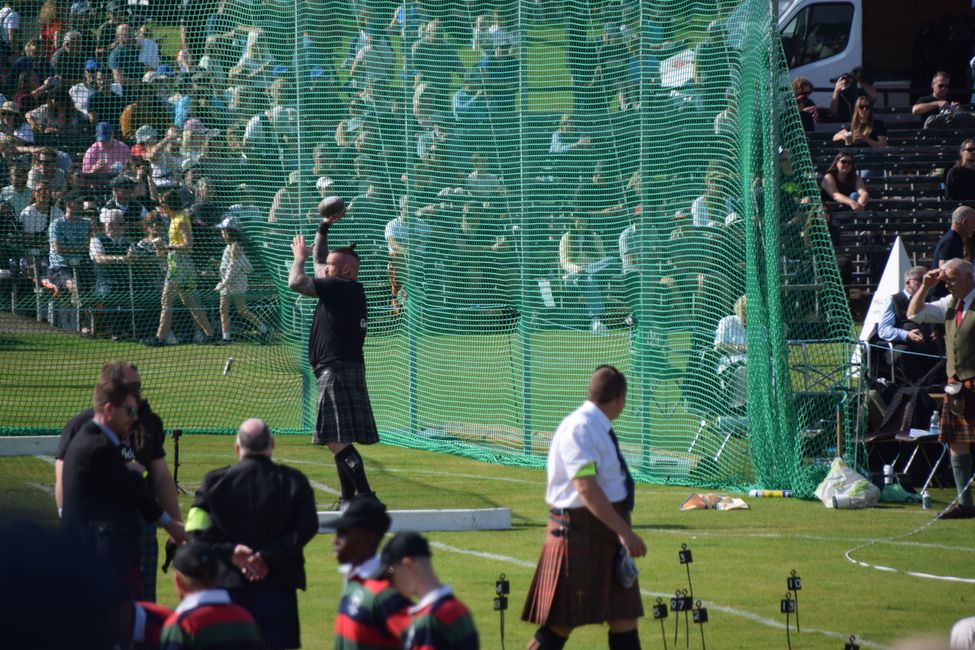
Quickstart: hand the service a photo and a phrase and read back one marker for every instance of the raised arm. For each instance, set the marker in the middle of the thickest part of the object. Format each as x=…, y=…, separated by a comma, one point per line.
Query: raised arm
x=298, y=280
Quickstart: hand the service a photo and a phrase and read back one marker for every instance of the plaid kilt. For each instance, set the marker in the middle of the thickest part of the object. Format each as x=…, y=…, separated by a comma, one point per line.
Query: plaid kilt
x=148, y=559
x=344, y=410
x=959, y=428
x=574, y=581
x=276, y=613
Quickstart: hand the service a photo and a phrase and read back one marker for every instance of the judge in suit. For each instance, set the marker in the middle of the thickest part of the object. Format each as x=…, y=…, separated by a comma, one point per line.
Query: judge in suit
x=958, y=414
x=107, y=496
x=258, y=516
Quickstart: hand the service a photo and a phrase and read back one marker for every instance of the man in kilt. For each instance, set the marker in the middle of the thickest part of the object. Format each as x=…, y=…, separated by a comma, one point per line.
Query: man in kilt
x=335, y=350
x=258, y=516
x=958, y=414
x=590, y=493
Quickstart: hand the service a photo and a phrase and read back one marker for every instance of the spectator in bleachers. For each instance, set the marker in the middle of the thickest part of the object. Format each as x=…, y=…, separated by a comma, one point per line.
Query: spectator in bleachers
x=58, y=122
x=37, y=217
x=165, y=160
x=407, y=236
x=70, y=60
x=149, y=109
x=850, y=87
x=124, y=59
x=895, y=327
x=499, y=73
x=28, y=90
x=436, y=60
x=244, y=210
x=180, y=274
x=196, y=141
x=46, y=169
x=960, y=181
x=106, y=155
x=12, y=124
x=17, y=194
x=938, y=100
x=953, y=243
x=470, y=108
x=148, y=48
x=579, y=248
x=33, y=61
x=111, y=251
x=842, y=184
x=731, y=342
x=808, y=111
x=9, y=29
x=286, y=205
x=107, y=103
x=864, y=129
x=568, y=147
x=50, y=24
x=255, y=64
x=105, y=35
x=68, y=263
x=82, y=92
x=132, y=210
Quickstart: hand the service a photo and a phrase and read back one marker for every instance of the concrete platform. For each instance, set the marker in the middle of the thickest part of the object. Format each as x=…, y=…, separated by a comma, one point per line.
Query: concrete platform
x=28, y=445
x=435, y=520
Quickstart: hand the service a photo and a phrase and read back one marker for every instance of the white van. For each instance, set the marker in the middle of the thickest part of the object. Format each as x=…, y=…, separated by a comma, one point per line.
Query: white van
x=825, y=38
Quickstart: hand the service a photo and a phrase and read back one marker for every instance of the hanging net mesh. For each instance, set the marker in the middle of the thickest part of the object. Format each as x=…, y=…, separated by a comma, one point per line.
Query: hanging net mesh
x=535, y=188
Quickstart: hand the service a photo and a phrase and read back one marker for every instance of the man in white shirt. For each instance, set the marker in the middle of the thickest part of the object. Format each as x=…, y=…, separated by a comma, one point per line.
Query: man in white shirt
x=590, y=492
x=958, y=413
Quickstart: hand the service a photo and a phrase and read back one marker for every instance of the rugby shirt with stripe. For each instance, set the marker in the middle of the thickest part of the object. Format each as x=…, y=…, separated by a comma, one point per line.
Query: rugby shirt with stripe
x=441, y=622
x=372, y=615
x=208, y=619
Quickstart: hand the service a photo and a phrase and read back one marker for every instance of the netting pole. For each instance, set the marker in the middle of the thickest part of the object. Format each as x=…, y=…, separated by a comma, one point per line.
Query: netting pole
x=524, y=331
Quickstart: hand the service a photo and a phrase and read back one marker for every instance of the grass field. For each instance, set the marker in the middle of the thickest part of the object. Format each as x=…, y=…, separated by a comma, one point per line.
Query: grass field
x=741, y=558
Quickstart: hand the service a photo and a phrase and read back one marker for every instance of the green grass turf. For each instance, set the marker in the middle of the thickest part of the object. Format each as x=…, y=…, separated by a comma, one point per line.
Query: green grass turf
x=742, y=558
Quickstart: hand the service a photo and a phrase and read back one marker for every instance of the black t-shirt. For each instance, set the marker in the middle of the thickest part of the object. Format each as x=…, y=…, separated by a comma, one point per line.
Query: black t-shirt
x=925, y=100
x=960, y=183
x=146, y=440
x=950, y=246
x=338, y=331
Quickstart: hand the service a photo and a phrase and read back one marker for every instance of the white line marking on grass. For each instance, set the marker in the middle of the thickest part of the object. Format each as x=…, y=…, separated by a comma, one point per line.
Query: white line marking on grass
x=734, y=611
x=46, y=459
x=48, y=489
x=821, y=538
x=324, y=488
x=914, y=574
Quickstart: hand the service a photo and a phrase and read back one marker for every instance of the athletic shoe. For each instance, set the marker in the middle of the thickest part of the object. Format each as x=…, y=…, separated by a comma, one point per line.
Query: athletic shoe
x=221, y=341
x=266, y=336
x=153, y=342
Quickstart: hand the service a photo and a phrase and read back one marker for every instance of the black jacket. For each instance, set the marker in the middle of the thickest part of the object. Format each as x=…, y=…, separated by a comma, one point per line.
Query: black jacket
x=266, y=506
x=103, y=498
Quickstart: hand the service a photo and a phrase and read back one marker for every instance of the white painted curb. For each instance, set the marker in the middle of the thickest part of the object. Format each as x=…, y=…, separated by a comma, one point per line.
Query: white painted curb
x=28, y=445
x=434, y=520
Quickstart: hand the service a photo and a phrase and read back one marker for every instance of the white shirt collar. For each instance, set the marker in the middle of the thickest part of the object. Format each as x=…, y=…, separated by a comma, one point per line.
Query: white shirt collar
x=440, y=592
x=597, y=414
x=969, y=297
x=205, y=597
x=362, y=571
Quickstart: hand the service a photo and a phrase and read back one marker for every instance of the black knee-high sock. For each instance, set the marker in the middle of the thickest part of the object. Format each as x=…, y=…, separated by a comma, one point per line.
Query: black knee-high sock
x=348, y=490
x=546, y=639
x=350, y=463
x=624, y=640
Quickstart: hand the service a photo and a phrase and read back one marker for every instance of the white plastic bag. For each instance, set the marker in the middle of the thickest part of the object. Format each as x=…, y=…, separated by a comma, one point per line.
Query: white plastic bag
x=843, y=487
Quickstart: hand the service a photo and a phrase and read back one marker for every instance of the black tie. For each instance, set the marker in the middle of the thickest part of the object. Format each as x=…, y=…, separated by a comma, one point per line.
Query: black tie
x=630, y=488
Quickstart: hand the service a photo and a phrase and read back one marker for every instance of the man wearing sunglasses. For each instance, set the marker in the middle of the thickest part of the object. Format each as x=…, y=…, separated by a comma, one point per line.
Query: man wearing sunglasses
x=145, y=444
x=106, y=497
x=938, y=100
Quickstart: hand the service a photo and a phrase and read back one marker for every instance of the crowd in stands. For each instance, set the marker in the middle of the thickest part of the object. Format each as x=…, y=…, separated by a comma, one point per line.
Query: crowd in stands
x=420, y=124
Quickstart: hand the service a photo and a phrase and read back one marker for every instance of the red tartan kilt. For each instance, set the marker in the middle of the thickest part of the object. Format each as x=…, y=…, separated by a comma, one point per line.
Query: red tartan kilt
x=959, y=428
x=574, y=583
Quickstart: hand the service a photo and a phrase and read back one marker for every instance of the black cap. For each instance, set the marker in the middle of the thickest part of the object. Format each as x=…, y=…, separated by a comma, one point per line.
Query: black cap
x=74, y=196
x=196, y=560
x=402, y=545
x=123, y=181
x=364, y=512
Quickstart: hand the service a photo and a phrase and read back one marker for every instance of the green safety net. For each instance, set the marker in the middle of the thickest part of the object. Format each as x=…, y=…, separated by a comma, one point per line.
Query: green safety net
x=535, y=188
